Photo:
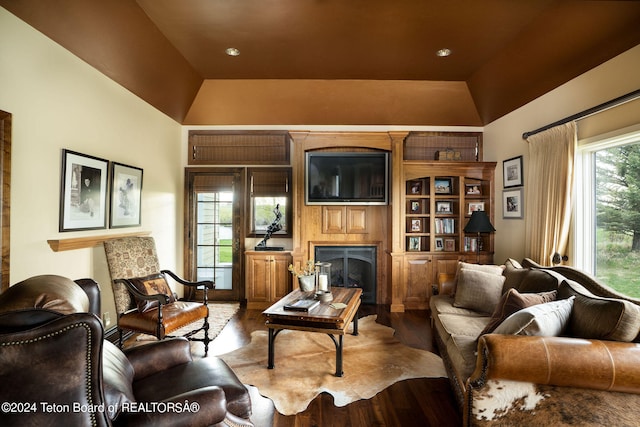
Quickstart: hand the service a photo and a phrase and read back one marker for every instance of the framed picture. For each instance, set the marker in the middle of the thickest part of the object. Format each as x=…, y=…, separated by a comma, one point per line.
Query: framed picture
x=83, y=195
x=473, y=189
x=415, y=187
x=439, y=244
x=414, y=243
x=443, y=186
x=512, y=202
x=444, y=207
x=450, y=245
x=126, y=196
x=416, y=225
x=512, y=172
x=474, y=206
x=414, y=206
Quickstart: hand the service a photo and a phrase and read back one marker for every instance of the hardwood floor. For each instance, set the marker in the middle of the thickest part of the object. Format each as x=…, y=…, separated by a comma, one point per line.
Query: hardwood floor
x=416, y=402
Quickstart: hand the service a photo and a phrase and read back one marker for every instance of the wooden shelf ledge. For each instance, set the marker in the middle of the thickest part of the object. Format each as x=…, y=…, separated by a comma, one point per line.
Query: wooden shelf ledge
x=72, y=243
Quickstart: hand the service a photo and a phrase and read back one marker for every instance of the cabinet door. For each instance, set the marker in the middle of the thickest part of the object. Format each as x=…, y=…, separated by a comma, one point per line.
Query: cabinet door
x=281, y=278
x=418, y=274
x=445, y=265
x=258, y=278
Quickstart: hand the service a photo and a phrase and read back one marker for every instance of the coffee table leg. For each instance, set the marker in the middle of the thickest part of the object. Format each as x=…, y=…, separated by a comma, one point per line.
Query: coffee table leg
x=339, y=371
x=271, y=349
x=355, y=324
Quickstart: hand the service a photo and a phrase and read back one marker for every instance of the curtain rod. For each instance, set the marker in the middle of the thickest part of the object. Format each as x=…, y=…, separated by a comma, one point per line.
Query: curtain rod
x=593, y=110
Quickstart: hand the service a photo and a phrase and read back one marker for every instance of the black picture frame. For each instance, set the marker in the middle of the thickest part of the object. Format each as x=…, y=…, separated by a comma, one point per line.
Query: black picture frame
x=512, y=172
x=512, y=204
x=126, y=196
x=83, y=192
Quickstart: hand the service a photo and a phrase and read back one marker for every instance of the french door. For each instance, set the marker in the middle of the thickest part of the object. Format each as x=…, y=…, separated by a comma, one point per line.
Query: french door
x=213, y=206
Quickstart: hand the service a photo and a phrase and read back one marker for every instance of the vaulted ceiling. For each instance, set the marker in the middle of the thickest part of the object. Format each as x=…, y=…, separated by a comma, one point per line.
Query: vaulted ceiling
x=337, y=62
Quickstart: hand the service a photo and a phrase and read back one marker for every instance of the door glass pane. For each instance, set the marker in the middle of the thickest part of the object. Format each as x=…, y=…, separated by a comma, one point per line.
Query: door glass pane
x=617, y=224
x=214, y=237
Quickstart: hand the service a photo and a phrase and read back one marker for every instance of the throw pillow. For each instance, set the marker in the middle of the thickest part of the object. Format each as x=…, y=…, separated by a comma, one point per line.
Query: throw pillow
x=487, y=268
x=478, y=290
x=537, y=280
x=546, y=320
x=513, y=301
x=601, y=318
x=151, y=285
x=514, y=274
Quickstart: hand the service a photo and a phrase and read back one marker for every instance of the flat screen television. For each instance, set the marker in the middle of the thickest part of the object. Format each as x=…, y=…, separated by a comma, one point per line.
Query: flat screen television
x=347, y=178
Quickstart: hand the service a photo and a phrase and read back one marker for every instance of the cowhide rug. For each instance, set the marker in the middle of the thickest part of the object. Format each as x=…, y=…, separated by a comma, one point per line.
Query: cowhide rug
x=305, y=365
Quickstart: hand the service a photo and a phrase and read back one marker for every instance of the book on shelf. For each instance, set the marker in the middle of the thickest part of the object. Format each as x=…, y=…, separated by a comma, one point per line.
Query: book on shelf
x=445, y=226
x=304, y=305
x=470, y=244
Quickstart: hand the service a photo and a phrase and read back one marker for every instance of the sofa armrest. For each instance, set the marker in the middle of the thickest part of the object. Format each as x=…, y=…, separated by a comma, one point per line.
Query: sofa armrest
x=202, y=407
x=147, y=359
x=559, y=361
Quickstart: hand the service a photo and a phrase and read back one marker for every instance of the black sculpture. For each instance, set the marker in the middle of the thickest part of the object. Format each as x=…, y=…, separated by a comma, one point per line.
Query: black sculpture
x=274, y=227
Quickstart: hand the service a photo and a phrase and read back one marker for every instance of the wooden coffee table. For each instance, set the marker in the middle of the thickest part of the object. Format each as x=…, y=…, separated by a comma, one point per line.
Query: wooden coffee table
x=323, y=319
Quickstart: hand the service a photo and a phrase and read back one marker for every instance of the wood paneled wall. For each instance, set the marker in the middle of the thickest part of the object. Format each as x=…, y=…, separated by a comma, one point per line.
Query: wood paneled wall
x=342, y=225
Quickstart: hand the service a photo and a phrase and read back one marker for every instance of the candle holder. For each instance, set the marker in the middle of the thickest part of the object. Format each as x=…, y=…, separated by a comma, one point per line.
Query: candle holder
x=323, y=281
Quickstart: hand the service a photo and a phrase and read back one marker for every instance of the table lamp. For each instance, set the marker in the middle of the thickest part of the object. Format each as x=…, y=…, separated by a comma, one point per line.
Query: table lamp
x=479, y=223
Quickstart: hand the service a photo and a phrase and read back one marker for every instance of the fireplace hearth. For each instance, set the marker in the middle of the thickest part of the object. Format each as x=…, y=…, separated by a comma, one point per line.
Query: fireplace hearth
x=351, y=266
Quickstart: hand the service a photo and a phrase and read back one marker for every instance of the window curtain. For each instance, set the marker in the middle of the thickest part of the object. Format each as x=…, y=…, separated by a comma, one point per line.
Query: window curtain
x=548, y=198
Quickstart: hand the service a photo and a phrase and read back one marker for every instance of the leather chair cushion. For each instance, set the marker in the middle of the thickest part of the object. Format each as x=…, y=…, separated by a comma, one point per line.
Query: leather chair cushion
x=601, y=318
x=153, y=284
x=117, y=378
x=200, y=373
x=175, y=316
x=50, y=292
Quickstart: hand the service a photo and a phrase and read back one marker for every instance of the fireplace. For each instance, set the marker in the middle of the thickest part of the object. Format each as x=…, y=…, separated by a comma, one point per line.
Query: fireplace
x=351, y=266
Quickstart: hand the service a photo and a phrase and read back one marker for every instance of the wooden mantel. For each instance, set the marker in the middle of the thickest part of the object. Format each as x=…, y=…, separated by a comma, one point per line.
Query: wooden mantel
x=59, y=245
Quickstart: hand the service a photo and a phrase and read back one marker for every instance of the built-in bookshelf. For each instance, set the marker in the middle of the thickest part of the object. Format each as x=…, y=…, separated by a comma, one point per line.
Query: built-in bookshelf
x=438, y=206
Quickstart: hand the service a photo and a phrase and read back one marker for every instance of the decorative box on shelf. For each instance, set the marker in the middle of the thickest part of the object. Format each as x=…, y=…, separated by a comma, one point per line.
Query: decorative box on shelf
x=448, y=155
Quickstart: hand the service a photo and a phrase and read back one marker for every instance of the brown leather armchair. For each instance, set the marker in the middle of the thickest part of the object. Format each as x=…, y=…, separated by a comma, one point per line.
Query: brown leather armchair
x=57, y=369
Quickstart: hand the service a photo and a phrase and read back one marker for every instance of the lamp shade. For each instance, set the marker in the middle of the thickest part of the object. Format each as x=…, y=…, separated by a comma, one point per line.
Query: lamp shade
x=479, y=223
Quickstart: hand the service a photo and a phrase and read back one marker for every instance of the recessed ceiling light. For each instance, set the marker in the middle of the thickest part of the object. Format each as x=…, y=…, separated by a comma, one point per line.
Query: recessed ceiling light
x=443, y=52
x=232, y=51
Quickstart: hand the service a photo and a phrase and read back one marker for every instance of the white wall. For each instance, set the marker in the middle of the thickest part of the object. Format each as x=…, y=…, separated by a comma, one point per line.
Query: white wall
x=503, y=137
x=58, y=101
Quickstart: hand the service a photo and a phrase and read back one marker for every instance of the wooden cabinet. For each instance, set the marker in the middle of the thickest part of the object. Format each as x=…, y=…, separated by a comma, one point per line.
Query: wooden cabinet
x=418, y=273
x=432, y=202
x=267, y=277
x=344, y=219
x=438, y=199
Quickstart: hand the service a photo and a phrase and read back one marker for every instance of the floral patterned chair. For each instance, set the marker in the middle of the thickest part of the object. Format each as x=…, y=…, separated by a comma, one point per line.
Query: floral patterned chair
x=144, y=301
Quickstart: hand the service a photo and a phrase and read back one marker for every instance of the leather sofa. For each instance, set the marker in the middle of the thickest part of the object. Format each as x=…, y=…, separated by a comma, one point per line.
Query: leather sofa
x=57, y=369
x=569, y=356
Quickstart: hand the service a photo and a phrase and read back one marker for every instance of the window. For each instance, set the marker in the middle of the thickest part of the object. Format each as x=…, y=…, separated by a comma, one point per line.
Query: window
x=607, y=242
x=269, y=187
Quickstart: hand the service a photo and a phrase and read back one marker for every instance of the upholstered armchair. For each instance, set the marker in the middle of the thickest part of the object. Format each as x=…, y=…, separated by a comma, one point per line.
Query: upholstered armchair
x=57, y=369
x=144, y=301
